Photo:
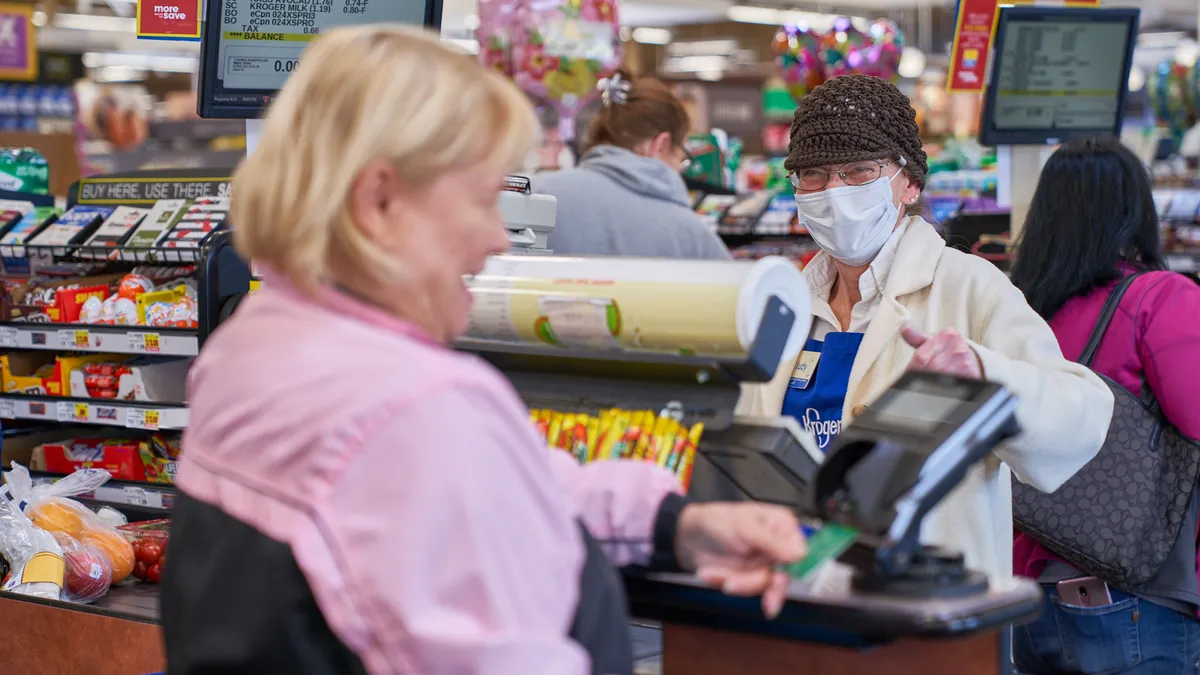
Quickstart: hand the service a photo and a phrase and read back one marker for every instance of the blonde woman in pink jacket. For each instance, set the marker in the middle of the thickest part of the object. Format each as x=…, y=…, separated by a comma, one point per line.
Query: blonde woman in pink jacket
x=357, y=497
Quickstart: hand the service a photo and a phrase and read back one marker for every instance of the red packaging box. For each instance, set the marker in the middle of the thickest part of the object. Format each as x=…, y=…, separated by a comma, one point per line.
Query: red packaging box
x=121, y=458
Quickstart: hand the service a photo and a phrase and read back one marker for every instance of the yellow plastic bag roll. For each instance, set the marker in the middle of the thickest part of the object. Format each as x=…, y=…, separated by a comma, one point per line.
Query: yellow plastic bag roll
x=709, y=308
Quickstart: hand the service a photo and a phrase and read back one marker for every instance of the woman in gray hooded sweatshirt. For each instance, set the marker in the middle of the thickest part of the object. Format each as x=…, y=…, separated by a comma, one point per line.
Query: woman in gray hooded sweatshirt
x=626, y=196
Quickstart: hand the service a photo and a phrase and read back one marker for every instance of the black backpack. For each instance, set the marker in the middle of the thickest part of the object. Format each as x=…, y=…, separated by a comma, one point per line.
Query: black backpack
x=1120, y=515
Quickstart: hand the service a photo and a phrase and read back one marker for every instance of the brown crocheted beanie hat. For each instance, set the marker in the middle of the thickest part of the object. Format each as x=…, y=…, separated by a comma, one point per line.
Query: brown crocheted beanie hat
x=854, y=118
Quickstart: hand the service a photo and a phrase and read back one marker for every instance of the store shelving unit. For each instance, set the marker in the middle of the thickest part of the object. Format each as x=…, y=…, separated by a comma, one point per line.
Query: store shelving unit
x=127, y=617
x=101, y=339
x=103, y=412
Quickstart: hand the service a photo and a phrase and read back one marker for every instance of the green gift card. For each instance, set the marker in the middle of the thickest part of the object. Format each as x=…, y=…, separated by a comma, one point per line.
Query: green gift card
x=824, y=545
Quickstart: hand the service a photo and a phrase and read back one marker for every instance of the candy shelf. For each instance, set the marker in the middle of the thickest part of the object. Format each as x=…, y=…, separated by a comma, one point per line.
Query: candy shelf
x=103, y=412
x=100, y=338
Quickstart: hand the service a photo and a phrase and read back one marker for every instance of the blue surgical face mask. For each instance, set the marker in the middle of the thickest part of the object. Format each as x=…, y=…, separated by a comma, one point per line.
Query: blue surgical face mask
x=853, y=222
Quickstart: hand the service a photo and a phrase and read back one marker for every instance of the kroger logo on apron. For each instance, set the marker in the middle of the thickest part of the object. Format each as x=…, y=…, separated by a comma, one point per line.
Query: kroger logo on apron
x=817, y=391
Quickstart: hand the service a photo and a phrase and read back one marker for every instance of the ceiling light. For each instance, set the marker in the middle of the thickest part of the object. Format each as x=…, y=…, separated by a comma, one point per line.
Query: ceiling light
x=154, y=62
x=113, y=24
x=120, y=74
x=771, y=16
x=1187, y=52
x=912, y=63
x=760, y=15
x=1160, y=39
x=1137, y=79
x=652, y=36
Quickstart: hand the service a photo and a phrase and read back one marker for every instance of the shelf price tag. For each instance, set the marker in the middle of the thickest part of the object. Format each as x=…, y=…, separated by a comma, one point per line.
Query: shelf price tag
x=136, y=496
x=145, y=342
x=74, y=412
x=8, y=337
x=75, y=339
x=8, y=410
x=140, y=418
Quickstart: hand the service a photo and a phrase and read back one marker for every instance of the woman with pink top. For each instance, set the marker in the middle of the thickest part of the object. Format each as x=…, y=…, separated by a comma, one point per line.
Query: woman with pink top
x=1092, y=223
x=356, y=496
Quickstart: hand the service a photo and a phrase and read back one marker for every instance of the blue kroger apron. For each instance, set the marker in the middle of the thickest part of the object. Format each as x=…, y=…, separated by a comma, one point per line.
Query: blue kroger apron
x=817, y=403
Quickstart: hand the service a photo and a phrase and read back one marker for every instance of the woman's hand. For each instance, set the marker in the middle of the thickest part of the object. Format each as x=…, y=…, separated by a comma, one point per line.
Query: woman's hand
x=945, y=352
x=738, y=546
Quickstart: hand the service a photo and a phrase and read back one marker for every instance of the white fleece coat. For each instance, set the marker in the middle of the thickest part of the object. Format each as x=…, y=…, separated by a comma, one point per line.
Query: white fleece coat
x=1064, y=408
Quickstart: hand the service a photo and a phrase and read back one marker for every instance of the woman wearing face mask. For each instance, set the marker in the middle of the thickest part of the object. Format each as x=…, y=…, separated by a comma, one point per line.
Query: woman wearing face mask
x=626, y=196
x=888, y=295
x=356, y=496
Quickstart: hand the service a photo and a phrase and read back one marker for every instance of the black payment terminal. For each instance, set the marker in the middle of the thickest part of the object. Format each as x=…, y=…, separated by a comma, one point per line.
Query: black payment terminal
x=896, y=462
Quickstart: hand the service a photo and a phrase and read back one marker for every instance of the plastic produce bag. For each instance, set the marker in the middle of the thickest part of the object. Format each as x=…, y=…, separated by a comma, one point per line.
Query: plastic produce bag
x=88, y=570
x=51, y=508
x=34, y=557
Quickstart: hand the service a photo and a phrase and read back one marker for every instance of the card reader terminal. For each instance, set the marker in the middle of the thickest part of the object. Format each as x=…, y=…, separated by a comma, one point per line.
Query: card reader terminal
x=896, y=462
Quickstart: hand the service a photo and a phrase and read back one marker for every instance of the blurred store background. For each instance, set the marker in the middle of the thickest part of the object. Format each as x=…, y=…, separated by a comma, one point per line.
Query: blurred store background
x=105, y=101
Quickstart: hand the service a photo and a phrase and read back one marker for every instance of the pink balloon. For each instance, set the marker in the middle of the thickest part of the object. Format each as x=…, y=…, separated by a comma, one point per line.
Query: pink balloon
x=562, y=48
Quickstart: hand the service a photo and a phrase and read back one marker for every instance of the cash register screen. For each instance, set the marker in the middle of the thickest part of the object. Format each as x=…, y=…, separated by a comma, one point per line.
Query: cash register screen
x=921, y=407
x=1059, y=74
x=249, y=47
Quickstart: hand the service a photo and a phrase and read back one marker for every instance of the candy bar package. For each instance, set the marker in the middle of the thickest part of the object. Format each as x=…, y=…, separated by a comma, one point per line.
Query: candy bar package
x=157, y=222
x=29, y=226
x=70, y=225
x=114, y=229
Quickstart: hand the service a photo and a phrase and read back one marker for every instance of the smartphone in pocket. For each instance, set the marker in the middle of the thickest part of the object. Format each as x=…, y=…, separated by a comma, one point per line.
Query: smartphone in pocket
x=1084, y=592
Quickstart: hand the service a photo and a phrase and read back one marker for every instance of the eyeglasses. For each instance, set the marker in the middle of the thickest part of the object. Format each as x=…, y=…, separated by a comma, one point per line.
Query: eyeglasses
x=687, y=159
x=854, y=174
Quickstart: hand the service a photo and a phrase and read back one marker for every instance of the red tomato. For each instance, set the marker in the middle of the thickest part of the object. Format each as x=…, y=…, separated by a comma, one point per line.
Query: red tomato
x=149, y=552
x=139, y=570
x=154, y=574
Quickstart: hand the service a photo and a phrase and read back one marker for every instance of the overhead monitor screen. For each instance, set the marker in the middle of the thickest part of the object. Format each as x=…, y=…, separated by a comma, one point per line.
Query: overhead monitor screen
x=1059, y=75
x=251, y=46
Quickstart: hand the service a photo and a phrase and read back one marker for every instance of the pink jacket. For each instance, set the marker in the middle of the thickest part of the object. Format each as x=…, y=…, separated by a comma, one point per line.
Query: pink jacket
x=1156, y=331
x=437, y=532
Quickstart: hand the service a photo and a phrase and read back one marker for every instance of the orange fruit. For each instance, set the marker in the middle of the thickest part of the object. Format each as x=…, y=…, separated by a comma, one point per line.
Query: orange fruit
x=58, y=515
x=118, y=549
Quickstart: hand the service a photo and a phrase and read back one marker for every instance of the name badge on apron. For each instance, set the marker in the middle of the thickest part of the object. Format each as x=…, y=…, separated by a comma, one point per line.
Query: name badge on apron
x=806, y=368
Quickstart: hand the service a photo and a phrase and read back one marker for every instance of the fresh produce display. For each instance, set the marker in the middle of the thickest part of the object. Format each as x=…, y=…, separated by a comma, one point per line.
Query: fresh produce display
x=56, y=548
x=51, y=509
x=639, y=435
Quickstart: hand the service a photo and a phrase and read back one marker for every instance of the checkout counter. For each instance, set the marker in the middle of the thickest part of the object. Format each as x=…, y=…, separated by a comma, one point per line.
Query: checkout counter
x=889, y=604
x=589, y=334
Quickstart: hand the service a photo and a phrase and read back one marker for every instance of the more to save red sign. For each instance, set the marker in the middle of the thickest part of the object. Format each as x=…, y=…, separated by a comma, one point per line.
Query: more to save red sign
x=973, y=30
x=168, y=19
